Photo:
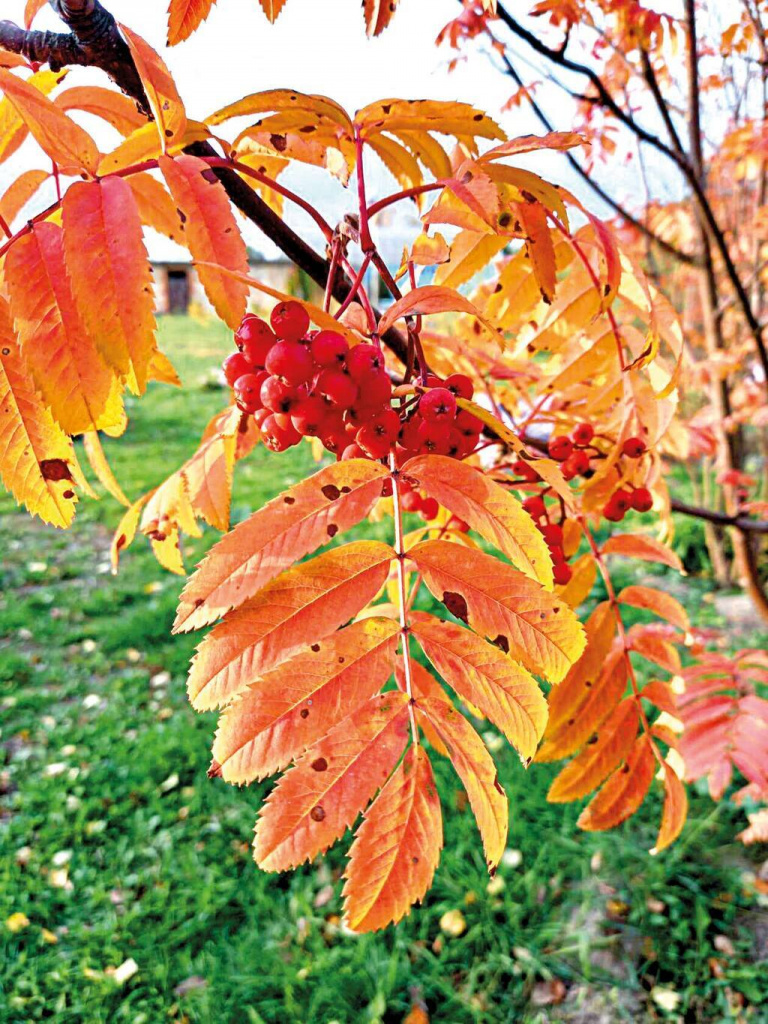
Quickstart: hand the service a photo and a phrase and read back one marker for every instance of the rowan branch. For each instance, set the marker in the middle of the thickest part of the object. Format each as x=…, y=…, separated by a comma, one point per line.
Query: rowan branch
x=95, y=41
x=671, y=250
x=721, y=518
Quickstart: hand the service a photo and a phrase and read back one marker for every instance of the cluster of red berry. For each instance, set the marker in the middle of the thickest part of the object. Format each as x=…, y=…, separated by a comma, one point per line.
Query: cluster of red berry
x=575, y=460
x=302, y=383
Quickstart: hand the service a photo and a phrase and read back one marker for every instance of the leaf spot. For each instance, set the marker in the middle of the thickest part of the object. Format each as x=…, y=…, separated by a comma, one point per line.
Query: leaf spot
x=55, y=469
x=332, y=529
x=319, y=765
x=456, y=605
x=502, y=643
x=317, y=813
x=331, y=492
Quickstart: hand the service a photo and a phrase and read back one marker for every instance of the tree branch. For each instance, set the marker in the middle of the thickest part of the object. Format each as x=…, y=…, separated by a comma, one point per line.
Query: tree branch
x=721, y=518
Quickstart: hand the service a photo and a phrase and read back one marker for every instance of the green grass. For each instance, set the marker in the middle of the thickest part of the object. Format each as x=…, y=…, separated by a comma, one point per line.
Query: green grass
x=115, y=844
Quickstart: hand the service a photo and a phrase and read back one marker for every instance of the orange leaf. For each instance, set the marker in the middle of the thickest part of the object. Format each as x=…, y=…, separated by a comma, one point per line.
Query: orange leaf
x=19, y=194
x=655, y=648
x=519, y=615
x=156, y=208
x=624, y=791
x=397, y=848
x=31, y=9
x=602, y=698
x=424, y=685
x=480, y=673
x=110, y=274
x=488, y=508
x=574, y=690
x=164, y=100
x=531, y=143
x=538, y=244
x=475, y=767
x=378, y=14
x=109, y=105
x=598, y=759
x=65, y=142
x=638, y=545
x=126, y=529
x=305, y=603
x=211, y=233
x=185, y=16
x=272, y=8
x=102, y=469
x=282, y=531
x=35, y=453
x=321, y=796
x=662, y=604
x=675, y=810
x=432, y=299
x=145, y=144
x=208, y=475
x=293, y=706
x=81, y=390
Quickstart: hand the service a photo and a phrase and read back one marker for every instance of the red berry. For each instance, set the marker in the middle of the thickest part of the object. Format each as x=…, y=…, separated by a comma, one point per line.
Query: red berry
x=235, y=366
x=310, y=416
x=375, y=386
x=329, y=349
x=634, y=448
x=553, y=535
x=642, y=499
x=337, y=387
x=622, y=499
x=583, y=434
x=363, y=359
x=460, y=385
x=470, y=443
x=373, y=443
x=247, y=392
x=535, y=506
x=411, y=501
x=290, y=320
x=437, y=404
x=277, y=436
x=291, y=362
x=429, y=509
x=334, y=440
x=559, y=447
x=456, y=443
x=277, y=395
x=409, y=434
x=467, y=423
x=577, y=464
x=562, y=573
x=525, y=471
x=434, y=436
x=353, y=451
x=255, y=339
x=613, y=513
x=260, y=416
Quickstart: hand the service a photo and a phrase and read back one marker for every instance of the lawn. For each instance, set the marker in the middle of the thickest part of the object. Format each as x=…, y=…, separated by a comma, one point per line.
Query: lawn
x=127, y=889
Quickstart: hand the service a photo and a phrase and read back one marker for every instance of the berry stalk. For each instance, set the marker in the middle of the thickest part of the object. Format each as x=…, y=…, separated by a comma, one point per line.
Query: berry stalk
x=405, y=631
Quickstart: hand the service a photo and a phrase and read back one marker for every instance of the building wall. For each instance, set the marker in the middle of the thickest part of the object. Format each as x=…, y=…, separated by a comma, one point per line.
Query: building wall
x=277, y=275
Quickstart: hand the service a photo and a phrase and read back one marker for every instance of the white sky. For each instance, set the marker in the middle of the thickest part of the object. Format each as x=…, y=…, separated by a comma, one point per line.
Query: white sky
x=320, y=46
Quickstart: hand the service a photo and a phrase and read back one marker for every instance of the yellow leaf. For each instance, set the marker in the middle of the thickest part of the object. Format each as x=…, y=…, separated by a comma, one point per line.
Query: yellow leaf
x=101, y=467
x=65, y=142
x=17, y=922
x=470, y=252
x=283, y=99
